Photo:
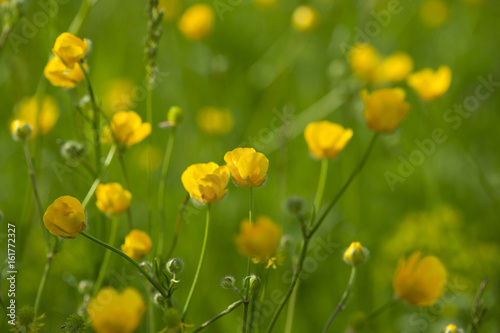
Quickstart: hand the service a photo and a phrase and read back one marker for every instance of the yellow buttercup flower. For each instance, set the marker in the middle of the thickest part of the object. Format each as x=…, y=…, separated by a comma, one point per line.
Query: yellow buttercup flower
x=70, y=49
x=430, y=84
x=127, y=128
x=305, y=18
x=61, y=76
x=42, y=113
x=385, y=109
x=112, y=199
x=434, y=13
x=120, y=95
x=419, y=281
x=206, y=182
x=65, y=217
x=215, y=121
x=197, y=22
x=137, y=244
x=364, y=61
x=20, y=130
x=450, y=329
x=356, y=254
x=326, y=139
x=248, y=168
x=171, y=9
x=113, y=312
x=396, y=67
x=259, y=240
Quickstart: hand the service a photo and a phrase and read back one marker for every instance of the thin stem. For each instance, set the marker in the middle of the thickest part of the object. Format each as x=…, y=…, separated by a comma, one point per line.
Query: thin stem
x=162, y=187
x=130, y=260
x=80, y=17
x=249, y=266
x=223, y=313
x=343, y=300
x=149, y=119
x=321, y=184
x=46, y=271
x=200, y=263
x=245, y=315
x=126, y=182
x=177, y=227
x=97, y=181
x=381, y=309
x=31, y=170
x=291, y=309
x=107, y=256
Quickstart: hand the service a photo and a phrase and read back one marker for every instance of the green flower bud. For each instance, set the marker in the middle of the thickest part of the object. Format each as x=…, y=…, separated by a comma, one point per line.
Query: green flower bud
x=85, y=287
x=172, y=319
x=228, y=282
x=175, y=116
x=20, y=130
x=175, y=266
x=295, y=205
x=253, y=284
x=26, y=316
x=159, y=299
x=73, y=150
x=74, y=324
x=356, y=254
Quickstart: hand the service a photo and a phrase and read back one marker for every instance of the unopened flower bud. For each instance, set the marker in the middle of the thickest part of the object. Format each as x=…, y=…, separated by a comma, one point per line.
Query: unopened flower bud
x=73, y=150
x=253, y=284
x=159, y=299
x=85, y=287
x=450, y=329
x=295, y=205
x=20, y=130
x=148, y=266
x=175, y=116
x=228, y=282
x=356, y=254
x=74, y=324
x=26, y=316
x=175, y=266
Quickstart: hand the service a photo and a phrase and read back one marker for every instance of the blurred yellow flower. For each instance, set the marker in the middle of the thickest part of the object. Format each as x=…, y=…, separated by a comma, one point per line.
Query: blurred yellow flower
x=419, y=281
x=385, y=109
x=396, y=67
x=127, y=128
x=173, y=321
x=65, y=217
x=248, y=167
x=450, y=329
x=41, y=113
x=113, y=312
x=364, y=61
x=112, y=199
x=206, y=182
x=20, y=130
x=61, y=76
x=430, y=84
x=119, y=96
x=356, y=254
x=137, y=244
x=171, y=9
x=70, y=49
x=305, y=18
x=326, y=139
x=155, y=158
x=197, y=22
x=434, y=13
x=215, y=121
x=259, y=240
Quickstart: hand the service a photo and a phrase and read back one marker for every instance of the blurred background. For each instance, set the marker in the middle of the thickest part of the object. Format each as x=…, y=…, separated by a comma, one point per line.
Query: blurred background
x=256, y=80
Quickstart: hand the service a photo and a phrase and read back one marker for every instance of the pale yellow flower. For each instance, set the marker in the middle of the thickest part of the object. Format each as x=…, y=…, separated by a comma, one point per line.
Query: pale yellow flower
x=364, y=61
x=305, y=18
x=215, y=121
x=396, y=67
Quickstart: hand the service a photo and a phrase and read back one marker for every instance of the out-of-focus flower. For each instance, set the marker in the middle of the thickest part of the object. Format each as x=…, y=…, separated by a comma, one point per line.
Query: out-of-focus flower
x=26, y=320
x=73, y=151
x=305, y=18
x=65, y=217
x=155, y=158
x=112, y=198
x=396, y=67
x=206, y=182
x=364, y=61
x=215, y=121
x=326, y=139
x=430, y=84
x=127, y=128
x=42, y=113
x=356, y=254
x=385, y=109
x=419, y=281
x=450, y=329
x=175, y=116
x=113, y=312
x=434, y=13
x=70, y=49
x=173, y=321
x=248, y=167
x=197, y=22
x=259, y=240
x=171, y=9
x=137, y=244
x=20, y=130
x=61, y=76
x=119, y=96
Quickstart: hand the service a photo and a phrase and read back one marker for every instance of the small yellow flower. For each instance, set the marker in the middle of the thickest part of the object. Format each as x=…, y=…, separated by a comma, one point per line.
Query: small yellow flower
x=430, y=84
x=396, y=67
x=356, y=254
x=171, y=9
x=197, y=22
x=434, y=13
x=364, y=61
x=70, y=49
x=206, y=182
x=127, y=128
x=20, y=130
x=385, y=109
x=61, y=76
x=305, y=18
x=259, y=240
x=65, y=217
x=419, y=281
x=248, y=168
x=450, y=329
x=119, y=96
x=215, y=121
x=112, y=199
x=113, y=312
x=137, y=244
x=42, y=113
x=326, y=139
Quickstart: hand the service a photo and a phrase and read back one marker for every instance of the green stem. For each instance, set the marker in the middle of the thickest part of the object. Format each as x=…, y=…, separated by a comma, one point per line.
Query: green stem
x=80, y=17
x=343, y=300
x=46, y=271
x=130, y=260
x=249, y=262
x=321, y=184
x=126, y=182
x=291, y=309
x=381, y=309
x=97, y=181
x=107, y=256
x=200, y=263
x=177, y=227
x=149, y=119
x=223, y=313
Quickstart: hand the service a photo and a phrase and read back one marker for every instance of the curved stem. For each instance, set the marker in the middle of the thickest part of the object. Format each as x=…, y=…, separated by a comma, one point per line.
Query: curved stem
x=97, y=181
x=177, y=227
x=223, y=313
x=107, y=256
x=130, y=260
x=200, y=264
x=343, y=300
x=46, y=271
